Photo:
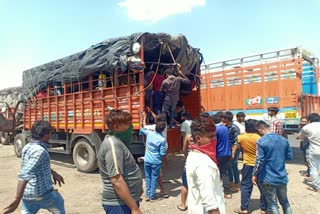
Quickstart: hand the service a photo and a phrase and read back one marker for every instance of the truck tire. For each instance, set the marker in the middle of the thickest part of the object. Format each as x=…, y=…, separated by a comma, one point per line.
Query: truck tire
x=4, y=138
x=84, y=156
x=19, y=142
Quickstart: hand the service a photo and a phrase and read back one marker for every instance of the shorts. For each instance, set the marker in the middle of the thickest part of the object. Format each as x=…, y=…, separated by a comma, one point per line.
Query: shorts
x=184, y=178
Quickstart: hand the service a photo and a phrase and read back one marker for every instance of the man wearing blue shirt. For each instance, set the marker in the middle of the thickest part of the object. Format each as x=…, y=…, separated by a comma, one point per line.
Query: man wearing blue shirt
x=35, y=185
x=156, y=147
x=269, y=170
x=223, y=149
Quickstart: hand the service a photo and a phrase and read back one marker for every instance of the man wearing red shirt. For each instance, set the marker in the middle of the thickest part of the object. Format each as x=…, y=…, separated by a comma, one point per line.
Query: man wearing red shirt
x=156, y=80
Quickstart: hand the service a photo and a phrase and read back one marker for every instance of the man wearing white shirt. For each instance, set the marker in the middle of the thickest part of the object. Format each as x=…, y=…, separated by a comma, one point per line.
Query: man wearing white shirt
x=205, y=193
x=240, y=122
x=312, y=132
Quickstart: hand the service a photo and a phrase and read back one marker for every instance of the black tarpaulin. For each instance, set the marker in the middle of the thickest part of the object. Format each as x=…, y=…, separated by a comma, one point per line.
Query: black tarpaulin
x=109, y=55
x=10, y=96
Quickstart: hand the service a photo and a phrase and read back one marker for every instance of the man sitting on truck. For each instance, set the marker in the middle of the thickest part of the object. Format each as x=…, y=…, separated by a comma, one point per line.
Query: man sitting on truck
x=171, y=87
x=121, y=176
x=275, y=124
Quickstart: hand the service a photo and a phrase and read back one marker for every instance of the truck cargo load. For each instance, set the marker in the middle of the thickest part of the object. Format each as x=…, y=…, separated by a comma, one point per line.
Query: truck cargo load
x=9, y=98
x=287, y=79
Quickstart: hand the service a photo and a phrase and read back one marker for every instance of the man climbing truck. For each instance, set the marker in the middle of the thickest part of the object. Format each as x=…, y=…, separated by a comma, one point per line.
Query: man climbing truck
x=74, y=93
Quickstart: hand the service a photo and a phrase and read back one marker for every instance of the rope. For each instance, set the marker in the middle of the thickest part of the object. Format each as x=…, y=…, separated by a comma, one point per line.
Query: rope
x=175, y=62
x=157, y=69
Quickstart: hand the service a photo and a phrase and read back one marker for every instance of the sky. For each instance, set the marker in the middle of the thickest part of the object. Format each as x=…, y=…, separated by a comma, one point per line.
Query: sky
x=35, y=32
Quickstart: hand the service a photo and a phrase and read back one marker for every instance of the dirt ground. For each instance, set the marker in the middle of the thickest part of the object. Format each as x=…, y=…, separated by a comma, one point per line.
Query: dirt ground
x=82, y=192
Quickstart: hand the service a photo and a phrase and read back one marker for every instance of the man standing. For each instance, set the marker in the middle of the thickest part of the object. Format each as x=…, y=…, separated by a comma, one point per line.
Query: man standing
x=35, y=184
x=223, y=154
x=312, y=132
x=205, y=193
x=247, y=142
x=155, y=81
x=270, y=170
x=233, y=171
x=185, y=126
x=185, y=131
x=121, y=176
x=171, y=87
x=275, y=124
x=240, y=122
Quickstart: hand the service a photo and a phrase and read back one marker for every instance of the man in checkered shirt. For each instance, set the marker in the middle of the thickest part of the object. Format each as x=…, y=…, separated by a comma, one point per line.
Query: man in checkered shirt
x=275, y=124
x=35, y=185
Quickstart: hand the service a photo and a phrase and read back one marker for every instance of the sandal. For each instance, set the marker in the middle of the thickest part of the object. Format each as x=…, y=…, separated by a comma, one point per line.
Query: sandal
x=164, y=195
x=241, y=211
x=182, y=209
x=312, y=189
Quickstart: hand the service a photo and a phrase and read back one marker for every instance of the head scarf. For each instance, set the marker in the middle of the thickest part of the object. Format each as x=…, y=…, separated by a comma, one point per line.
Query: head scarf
x=125, y=136
x=208, y=149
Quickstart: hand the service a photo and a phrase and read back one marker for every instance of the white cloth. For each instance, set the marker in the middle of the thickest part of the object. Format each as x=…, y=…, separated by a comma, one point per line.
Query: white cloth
x=241, y=126
x=204, y=185
x=312, y=132
x=152, y=127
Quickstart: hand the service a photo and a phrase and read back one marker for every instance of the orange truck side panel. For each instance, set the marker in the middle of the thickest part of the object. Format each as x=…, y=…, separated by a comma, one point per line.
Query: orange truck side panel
x=228, y=89
x=82, y=112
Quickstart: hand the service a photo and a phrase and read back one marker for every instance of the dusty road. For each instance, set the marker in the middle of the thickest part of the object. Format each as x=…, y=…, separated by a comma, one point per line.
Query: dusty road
x=82, y=191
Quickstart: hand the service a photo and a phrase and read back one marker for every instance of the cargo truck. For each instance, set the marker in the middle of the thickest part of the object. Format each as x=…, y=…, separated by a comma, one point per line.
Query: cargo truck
x=287, y=79
x=75, y=93
x=11, y=112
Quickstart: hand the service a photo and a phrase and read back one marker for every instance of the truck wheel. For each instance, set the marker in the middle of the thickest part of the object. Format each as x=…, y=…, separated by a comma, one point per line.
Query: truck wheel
x=19, y=142
x=4, y=138
x=84, y=156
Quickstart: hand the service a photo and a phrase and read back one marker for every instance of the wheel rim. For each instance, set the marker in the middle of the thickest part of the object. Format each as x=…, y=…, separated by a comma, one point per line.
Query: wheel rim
x=18, y=146
x=83, y=156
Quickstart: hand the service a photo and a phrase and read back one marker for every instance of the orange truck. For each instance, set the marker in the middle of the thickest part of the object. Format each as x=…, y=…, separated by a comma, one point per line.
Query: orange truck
x=75, y=93
x=287, y=79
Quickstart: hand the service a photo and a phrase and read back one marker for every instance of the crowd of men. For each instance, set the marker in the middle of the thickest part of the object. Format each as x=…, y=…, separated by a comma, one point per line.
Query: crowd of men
x=211, y=146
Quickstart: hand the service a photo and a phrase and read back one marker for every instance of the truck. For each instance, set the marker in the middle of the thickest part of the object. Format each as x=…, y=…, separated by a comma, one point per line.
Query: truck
x=286, y=78
x=9, y=99
x=75, y=93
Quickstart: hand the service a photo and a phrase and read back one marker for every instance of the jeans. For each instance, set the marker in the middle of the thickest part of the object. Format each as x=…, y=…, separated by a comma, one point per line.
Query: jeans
x=274, y=192
x=51, y=201
x=246, y=189
x=223, y=163
x=233, y=170
x=152, y=172
x=157, y=101
x=120, y=209
x=314, y=161
x=171, y=108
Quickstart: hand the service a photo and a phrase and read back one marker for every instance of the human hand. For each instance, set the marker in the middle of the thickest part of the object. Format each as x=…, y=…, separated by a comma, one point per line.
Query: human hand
x=297, y=136
x=12, y=207
x=254, y=180
x=57, y=178
x=136, y=211
x=148, y=109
